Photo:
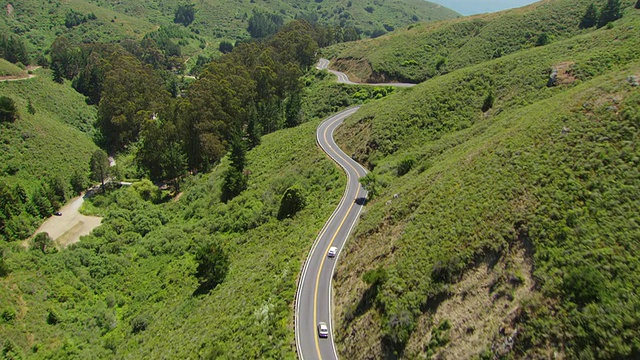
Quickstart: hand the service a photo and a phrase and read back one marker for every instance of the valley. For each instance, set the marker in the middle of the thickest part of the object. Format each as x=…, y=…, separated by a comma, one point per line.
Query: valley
x=499, y=161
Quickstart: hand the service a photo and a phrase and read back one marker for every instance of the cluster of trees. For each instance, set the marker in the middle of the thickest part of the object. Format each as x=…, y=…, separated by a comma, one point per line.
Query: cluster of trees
x=263, y=25
x=184, y=14
x=20, y=210
x=74, y=18
x=12, y=49
x=611, y=11
x=253, y=90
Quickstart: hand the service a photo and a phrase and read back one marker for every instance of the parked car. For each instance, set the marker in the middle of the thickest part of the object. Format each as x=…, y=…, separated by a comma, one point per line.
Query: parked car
x=323, y=330
x=57, y=213
x=332, y=252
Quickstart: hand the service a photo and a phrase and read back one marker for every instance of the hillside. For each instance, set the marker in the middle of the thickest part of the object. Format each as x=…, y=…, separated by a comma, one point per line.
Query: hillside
x=423, y=51
x=514, y=229
x=130, y=289
x=44, y=148
x=86, y=21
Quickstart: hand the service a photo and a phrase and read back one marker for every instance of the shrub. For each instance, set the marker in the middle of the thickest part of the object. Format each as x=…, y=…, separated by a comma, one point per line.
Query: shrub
x=140, y=323
x=8, y=314
x=405, y=166
x=225, y=47
x=584, y=285
x=488, y=102
x=53, y=317
x=292, y=201
x=8, y=109
x=184, y=14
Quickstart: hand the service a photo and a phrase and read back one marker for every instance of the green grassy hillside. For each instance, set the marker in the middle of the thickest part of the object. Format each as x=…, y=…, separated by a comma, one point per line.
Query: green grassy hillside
x=48, y=143
x=130, y=291
x=514, y=229
x=41, y=22
x=426, y=50
x=229, y=19
x=9, y=69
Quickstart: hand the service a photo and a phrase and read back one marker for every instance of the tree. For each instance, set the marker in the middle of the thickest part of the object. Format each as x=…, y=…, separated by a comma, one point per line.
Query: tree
x=12, y=49
x=99, y=166
x=225, y=47
x=74, y=18
x=213, y=265
x=132, y=93
x=543, y=39
x=184, y=14
x=262, y=24
x=8, y=109
x=590, y=17
x=638, y=5
x=174, y=163
x=42, y=241
x=78, y=182
x=370, y=183
x=4, y=269
x=233, y=183
x=611, y=11
x=292, y=201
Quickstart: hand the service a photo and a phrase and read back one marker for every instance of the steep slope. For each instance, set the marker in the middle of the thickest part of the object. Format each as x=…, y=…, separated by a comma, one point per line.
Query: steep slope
x=130, y=289
x=505, y=232
x=423, y=51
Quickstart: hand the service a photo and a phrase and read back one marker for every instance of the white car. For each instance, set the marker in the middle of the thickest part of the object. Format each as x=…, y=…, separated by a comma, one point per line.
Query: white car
x=323, y=330
x=332, y=252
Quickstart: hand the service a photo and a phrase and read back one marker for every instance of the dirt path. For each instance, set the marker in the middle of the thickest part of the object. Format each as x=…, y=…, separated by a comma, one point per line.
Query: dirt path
x=24, y=76
x=68, y=228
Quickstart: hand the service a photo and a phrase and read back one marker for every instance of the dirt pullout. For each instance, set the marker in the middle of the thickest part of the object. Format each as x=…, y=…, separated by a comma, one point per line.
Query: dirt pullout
x=70, y=226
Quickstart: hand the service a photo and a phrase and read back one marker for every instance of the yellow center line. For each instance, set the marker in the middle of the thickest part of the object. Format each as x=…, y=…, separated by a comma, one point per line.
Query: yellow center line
x=315, y=294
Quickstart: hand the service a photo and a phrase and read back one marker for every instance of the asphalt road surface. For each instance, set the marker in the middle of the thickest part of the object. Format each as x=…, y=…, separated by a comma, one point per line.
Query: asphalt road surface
x=323, y=64
x=313, y=298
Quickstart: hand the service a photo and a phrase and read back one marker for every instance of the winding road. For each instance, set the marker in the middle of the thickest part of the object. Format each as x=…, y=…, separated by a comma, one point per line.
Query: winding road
x=323, y=64
x=313, y=298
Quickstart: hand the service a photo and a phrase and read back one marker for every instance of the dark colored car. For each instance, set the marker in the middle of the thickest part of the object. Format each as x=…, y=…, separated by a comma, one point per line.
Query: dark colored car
x=57, y=213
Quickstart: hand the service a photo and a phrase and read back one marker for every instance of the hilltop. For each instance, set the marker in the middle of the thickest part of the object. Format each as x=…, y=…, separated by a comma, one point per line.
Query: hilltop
x=203, y=25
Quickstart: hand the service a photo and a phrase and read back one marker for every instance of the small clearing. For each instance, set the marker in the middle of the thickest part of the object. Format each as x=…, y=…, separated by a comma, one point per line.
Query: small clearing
x=68, y=228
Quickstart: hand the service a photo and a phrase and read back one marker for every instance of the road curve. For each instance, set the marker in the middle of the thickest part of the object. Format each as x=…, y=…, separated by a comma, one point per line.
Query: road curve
x=313, y=297
x=323, y=64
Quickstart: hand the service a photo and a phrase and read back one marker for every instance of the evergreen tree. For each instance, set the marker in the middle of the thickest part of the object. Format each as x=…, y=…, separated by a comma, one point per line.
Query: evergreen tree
x=213, y=265
x=99, y=166
x=184, y=14
x=8, y=109
x=638, y=5
x=590, y=17
x=611, y=11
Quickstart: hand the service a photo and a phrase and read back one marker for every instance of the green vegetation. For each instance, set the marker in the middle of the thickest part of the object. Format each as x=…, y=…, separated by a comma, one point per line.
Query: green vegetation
x=8, y=109
x=550, y=169
x=424, y=51
x=134, y=288
x=45, y=150
x=37, y=24
x=9, y=69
